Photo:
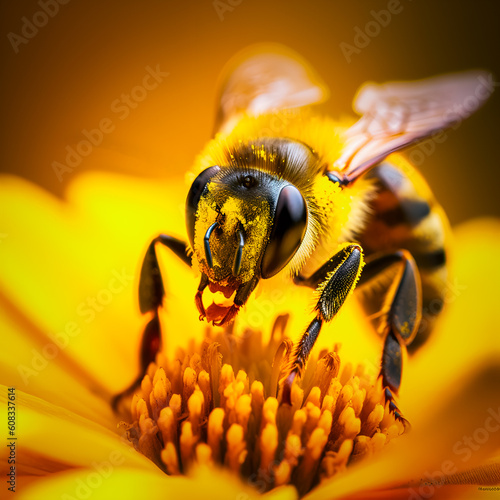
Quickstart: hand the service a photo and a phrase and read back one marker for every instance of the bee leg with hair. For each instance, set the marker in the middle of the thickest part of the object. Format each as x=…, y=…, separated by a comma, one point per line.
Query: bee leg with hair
x=333, y=282
x=402, y=306
x=151, y=294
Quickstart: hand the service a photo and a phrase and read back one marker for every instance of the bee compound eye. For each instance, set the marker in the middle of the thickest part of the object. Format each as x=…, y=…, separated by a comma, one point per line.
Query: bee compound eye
x=289, y=227
x=193, y=198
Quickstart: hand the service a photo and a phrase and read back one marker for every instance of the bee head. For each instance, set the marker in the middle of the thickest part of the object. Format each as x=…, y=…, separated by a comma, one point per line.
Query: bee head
x=243, y=223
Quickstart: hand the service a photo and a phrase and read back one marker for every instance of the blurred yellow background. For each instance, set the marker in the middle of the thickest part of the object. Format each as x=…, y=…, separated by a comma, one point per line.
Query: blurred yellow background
x=69, y=73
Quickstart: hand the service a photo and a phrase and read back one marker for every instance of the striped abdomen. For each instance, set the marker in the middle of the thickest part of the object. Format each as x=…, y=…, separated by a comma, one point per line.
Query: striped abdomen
x=407, y=216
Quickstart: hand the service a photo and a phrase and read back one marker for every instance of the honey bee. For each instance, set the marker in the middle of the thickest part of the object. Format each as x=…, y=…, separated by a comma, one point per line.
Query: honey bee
x=326, y=204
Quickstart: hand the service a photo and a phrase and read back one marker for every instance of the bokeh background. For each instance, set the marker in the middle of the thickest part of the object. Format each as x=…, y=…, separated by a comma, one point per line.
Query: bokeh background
x=65, y=78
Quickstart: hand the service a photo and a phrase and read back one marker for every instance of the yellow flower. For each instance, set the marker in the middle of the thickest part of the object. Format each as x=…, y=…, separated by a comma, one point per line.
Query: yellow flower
x=70, y=336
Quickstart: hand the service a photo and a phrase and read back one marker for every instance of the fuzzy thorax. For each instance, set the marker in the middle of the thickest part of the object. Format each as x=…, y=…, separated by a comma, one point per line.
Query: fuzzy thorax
x=300, y=150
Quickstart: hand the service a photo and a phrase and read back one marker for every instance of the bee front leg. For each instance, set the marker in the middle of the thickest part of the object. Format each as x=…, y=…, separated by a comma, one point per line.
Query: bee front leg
x=151, y=294
x=333, y=282
x=401, y=307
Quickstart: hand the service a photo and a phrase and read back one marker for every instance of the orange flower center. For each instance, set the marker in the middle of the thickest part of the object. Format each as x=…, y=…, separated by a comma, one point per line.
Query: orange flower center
x=218, y=403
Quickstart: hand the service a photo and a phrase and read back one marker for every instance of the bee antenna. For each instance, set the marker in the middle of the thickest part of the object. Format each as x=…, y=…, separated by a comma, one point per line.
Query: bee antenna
x=239, y=254
x=206, y=243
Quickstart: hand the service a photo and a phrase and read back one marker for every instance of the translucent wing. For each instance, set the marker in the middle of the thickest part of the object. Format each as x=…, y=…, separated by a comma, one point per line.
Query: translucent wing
x=266, y=79
x=398, y=114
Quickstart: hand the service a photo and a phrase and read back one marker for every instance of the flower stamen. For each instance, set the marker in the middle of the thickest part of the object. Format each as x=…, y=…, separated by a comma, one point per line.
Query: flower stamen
x=195, y=410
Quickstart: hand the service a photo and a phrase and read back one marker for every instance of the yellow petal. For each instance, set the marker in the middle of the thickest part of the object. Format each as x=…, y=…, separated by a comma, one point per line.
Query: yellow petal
x=466, y=335
x=125, y=483
x=32, y=367
x=104, y=231
x=457, y=437
x=51, y=438
x=450, y=388
x=444, y=492
x=71, y=263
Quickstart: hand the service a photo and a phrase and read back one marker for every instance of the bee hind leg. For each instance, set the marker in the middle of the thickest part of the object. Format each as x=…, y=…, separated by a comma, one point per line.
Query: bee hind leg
x=151, y=294
x=333, y=282
x=402, y=306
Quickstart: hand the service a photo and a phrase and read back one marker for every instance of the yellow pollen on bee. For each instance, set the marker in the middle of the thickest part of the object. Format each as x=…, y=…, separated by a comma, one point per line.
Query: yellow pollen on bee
x=405, y=329
x=236, y=214
x=196, y=409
